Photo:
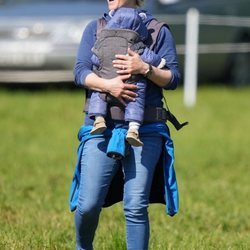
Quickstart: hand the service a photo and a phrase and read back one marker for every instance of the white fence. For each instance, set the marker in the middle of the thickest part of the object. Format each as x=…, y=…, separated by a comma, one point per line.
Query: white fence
x=193, y=49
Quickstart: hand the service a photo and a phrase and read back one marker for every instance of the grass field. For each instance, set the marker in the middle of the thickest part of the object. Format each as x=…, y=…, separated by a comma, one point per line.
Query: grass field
x=38, y=151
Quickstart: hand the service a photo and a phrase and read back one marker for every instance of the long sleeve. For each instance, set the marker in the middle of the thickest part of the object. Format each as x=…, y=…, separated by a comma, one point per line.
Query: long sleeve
x=83, y=64
x=165, y=47
x=148, y=56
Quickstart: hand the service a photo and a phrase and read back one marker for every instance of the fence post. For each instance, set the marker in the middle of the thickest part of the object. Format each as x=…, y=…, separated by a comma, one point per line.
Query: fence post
x=191, y=57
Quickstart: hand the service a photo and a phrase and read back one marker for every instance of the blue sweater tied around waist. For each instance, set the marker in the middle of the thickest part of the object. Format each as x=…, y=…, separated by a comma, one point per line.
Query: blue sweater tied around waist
x=117, y=144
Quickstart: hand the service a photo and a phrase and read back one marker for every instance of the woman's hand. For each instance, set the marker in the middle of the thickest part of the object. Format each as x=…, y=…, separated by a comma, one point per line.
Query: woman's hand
x=116, y=87
x=124, y=92
x=130, y=63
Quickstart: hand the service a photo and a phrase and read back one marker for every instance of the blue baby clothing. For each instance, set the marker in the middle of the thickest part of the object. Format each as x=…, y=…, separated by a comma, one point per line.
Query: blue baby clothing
x=125, y=29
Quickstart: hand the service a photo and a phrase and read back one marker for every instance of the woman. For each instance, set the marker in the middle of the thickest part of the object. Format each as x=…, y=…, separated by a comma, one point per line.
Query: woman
x=139, y=163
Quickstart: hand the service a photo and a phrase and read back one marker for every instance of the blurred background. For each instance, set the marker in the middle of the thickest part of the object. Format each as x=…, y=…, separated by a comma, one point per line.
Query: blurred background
x=39, y=38
x=40, y=116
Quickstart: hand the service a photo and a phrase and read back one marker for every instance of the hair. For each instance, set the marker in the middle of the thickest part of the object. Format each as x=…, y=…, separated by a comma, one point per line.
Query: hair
x=139, y=2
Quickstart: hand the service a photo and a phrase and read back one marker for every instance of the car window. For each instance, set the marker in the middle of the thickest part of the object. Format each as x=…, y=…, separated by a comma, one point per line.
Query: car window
x=9, y=2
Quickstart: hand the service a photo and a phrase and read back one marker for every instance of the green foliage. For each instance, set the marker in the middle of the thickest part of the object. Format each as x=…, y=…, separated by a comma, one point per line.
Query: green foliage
x=38, y=152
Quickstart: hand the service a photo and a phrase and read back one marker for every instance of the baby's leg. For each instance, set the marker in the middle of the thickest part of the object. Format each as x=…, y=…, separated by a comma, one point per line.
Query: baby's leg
x=133, y=134
x=99, y=126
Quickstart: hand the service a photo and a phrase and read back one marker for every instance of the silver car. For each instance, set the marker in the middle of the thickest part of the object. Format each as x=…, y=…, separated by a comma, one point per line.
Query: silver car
x=39, y=39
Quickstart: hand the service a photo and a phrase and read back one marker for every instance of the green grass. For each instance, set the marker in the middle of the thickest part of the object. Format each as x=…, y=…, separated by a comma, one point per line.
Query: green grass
x=38, y=153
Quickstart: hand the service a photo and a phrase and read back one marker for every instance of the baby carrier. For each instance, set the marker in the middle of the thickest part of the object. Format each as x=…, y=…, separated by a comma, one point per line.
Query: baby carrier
x=152, y=114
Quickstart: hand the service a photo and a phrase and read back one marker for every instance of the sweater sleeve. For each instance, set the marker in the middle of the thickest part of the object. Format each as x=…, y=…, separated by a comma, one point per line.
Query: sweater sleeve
x=83, y=64
x=165, y=47
x=148, y=56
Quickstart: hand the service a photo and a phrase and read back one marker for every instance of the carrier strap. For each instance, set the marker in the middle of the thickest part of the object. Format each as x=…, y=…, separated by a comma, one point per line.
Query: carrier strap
x=153, y=27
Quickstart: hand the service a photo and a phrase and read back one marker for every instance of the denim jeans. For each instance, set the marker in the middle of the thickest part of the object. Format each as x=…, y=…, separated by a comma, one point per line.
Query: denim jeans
x=97, y=171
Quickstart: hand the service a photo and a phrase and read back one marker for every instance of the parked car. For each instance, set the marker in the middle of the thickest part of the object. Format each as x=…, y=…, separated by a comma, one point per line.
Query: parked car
x=224, y=37
x=39, y=39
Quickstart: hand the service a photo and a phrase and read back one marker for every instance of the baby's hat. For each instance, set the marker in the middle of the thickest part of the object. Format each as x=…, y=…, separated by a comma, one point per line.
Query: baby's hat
x=129, y=18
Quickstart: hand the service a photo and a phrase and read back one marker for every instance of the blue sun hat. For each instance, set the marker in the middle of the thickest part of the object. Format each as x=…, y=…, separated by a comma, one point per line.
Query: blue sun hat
x=128, y=18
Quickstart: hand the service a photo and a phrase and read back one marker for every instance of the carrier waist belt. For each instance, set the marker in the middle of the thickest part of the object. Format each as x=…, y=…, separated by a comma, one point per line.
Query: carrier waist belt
x=151, y=115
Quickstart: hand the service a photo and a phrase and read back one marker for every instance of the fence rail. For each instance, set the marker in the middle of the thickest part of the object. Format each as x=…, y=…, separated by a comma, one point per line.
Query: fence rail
x=217, y=48
x=209, y=20
x=192, y=48
x=225, y=20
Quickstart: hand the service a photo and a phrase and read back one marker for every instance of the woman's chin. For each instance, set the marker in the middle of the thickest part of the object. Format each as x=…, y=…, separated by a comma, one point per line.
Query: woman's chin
x=113, y=4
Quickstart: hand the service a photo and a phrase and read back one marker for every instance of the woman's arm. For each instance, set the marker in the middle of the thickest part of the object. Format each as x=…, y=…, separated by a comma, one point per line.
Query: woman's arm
x=167, y=77
x=85, y=77
x=133, y=64
x=83, y=64
x=115, y=86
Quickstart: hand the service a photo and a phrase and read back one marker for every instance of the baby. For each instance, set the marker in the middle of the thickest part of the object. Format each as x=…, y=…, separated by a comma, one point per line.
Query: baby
x=124, y=30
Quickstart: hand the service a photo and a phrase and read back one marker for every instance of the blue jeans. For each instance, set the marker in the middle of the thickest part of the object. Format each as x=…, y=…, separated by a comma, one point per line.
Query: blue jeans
x=97, y=171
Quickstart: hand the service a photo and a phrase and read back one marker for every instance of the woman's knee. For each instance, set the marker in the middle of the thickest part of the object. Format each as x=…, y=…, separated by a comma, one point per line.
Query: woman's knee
x=88, y=209
x=135, y=208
